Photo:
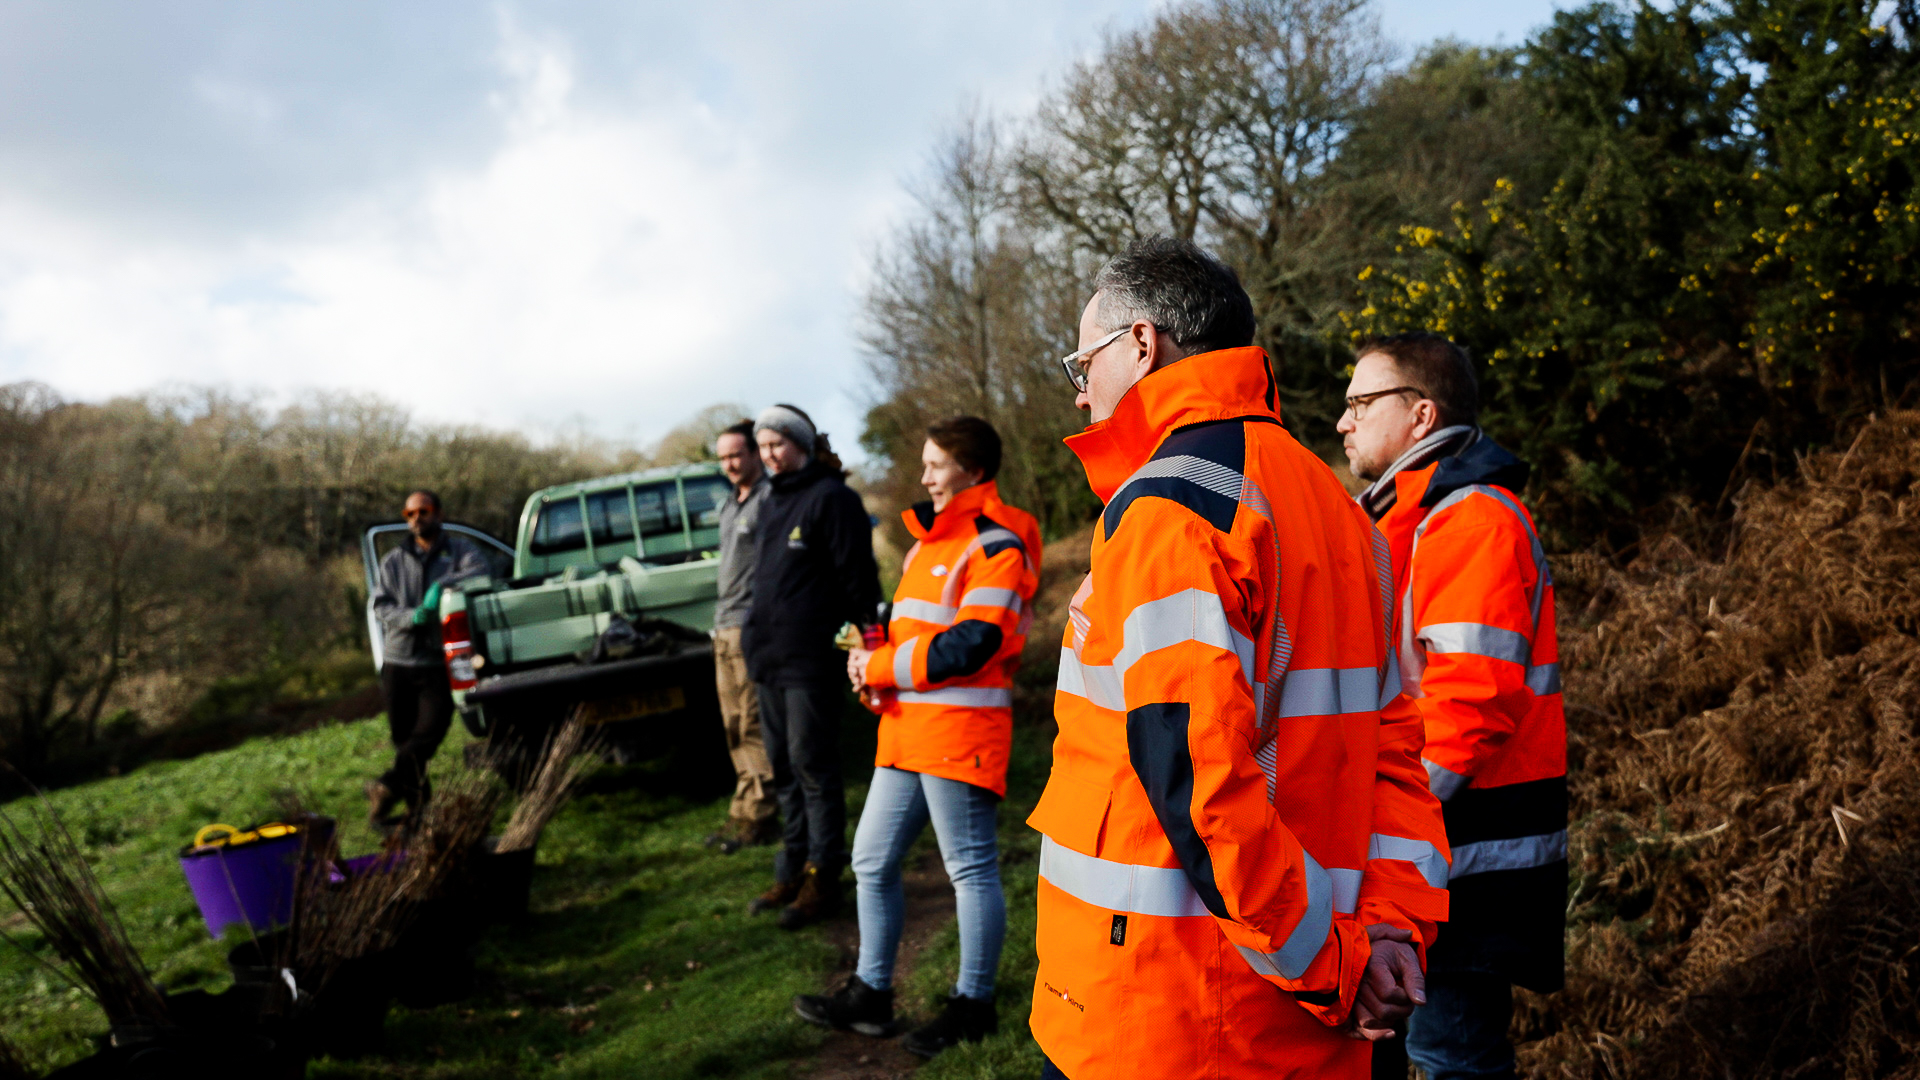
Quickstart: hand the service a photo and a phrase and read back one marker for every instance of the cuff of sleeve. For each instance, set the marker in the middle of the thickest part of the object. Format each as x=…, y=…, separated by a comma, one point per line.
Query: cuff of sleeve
x=1422, y=921
x=880, y=667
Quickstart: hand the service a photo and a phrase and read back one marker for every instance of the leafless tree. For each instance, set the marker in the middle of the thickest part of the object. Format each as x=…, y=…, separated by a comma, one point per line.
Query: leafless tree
x=1275, y=132
x=965, y=316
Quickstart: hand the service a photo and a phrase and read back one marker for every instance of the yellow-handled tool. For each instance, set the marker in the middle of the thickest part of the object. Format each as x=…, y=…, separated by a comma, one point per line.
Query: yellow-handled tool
x=211, y=835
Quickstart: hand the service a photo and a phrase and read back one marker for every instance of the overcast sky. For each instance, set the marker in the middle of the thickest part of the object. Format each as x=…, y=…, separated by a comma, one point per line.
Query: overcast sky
x=544, y=216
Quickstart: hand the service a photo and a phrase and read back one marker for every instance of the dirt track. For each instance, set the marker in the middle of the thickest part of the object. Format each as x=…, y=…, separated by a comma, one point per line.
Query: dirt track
x=847, y=1056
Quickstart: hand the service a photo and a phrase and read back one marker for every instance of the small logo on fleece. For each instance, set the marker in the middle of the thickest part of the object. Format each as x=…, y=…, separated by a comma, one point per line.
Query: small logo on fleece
x=939, y=570
x=1064, y=996
x=793, y=540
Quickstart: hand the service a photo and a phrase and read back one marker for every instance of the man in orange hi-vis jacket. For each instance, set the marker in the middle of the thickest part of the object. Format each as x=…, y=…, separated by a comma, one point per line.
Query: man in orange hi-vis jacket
x=1480, y=661
x=1241, y=865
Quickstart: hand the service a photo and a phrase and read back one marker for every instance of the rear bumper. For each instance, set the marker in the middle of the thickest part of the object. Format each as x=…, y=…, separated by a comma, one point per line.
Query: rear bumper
x=572, y=682
x=525, y=705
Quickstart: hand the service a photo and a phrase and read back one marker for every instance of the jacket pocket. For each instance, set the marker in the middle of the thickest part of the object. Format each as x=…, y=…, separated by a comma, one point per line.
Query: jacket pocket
x=1072, y=812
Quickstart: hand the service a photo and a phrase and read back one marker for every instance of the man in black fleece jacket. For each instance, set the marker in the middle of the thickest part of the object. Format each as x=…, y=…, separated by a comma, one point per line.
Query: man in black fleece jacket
x=813, y=572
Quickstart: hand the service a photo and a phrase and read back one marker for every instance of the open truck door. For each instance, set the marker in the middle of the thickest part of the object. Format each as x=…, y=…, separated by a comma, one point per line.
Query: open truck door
x=380, y=539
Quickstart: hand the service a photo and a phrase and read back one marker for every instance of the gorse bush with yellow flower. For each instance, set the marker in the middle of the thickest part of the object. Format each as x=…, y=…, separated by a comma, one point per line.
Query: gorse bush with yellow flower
x=1720, y=278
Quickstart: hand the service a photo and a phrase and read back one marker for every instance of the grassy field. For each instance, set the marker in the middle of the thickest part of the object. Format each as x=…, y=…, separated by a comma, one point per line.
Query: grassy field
x=639, y=958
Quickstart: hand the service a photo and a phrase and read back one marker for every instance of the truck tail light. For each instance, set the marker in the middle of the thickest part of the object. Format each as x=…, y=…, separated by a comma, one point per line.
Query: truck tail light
x=458, y=644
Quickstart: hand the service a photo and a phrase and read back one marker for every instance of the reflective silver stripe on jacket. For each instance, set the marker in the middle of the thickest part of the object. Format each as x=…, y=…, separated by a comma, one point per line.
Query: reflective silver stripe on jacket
x=1189, y=615
x=1000, y=598
x=1433, y=866
x=1479, y=639
x=971, y=697
x=996, y=536
x=1518, y=853
x=925, y=611
x=1442, y=781
x=1166, y=892
x=903, y=664
x=1306, y=692
x=1118, y=886
x=1329, y=692
x=1309, y=935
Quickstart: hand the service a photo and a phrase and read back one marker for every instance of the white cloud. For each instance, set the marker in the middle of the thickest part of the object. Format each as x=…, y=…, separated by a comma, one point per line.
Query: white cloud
x=586, y=213
x=605, y=265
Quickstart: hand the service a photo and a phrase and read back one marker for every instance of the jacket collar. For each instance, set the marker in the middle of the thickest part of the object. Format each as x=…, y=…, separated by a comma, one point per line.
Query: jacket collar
x=924, y=524
x=425, y=555
x=1384, y=492
x=1483, y=462
x=813, y=470
x=1224, y=385
x=1444, y=469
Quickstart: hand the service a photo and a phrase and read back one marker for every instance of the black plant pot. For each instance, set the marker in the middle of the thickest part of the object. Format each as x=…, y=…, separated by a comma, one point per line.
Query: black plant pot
x=345, y=1019
x=433, y=961
x=213, y=1035
x=348, y=1017
x=505, y=882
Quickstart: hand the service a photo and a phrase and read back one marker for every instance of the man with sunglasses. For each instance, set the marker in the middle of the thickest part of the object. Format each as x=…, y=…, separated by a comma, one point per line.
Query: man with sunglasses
x=413, y=671
x=1241, y=863
x=1478, y=657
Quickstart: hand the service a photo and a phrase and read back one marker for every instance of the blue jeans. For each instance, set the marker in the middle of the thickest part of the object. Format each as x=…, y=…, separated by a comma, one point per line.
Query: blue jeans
x=1461, y=1032
x=899, y=804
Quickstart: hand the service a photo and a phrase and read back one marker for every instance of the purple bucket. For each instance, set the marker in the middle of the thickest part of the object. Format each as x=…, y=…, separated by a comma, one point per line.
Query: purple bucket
x=379, y=862
x=249, y=883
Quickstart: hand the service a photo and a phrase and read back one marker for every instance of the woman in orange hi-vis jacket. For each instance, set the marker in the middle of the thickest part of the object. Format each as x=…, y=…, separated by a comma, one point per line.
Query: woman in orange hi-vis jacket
x=943, y=685
x=1241, y=862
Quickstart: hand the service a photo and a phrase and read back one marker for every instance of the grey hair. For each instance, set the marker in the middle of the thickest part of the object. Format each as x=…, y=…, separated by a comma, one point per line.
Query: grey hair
x=1177, y=286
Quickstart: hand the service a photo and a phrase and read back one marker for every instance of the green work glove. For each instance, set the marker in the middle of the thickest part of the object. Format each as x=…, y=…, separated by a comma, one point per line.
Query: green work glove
x=429, y=609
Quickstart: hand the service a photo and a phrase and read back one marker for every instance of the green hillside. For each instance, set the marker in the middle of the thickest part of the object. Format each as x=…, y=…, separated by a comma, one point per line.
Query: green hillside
x=639, y=957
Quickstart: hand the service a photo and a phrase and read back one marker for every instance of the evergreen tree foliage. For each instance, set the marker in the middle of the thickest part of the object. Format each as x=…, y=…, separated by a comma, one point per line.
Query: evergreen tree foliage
x=1718, y=279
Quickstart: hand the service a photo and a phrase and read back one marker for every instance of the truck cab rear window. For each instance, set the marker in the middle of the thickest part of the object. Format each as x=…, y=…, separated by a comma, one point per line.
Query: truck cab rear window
x=657, y=506
x=659, y=509
x=559, y=528
x=705, y=496
x=608, y=516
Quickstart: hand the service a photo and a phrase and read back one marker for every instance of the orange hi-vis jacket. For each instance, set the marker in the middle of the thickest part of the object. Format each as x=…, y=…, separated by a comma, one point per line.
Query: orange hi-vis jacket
x=1481, y=662
x=1230, y=804
x=960, y=619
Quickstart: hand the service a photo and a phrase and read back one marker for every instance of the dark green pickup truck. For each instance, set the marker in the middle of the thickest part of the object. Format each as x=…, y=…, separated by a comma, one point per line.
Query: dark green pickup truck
x=520, y=641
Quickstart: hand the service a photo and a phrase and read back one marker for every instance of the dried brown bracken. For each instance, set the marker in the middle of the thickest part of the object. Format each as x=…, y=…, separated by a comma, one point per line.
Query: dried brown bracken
x=1745, y=775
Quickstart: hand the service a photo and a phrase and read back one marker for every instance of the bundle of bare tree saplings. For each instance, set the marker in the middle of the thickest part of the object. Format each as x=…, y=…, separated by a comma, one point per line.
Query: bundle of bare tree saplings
x=400, y=923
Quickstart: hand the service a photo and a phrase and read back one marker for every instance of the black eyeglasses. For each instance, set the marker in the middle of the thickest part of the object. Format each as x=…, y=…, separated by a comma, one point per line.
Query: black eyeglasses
x=1357, y=404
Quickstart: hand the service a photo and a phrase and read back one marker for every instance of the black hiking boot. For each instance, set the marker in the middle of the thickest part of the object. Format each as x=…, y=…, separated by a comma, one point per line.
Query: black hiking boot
x=818, y=898
x=854, y=1007
x=964, y=1019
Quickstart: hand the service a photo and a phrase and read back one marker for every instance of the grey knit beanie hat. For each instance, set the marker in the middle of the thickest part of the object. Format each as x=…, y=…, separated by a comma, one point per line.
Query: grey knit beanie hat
x=788, y=421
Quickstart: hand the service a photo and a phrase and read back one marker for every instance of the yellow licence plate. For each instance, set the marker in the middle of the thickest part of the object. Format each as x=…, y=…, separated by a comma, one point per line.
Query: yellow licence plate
x=612, y=710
